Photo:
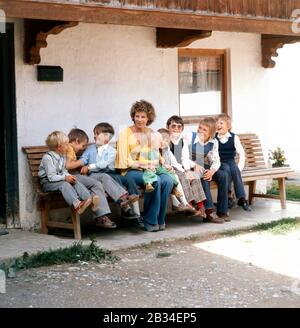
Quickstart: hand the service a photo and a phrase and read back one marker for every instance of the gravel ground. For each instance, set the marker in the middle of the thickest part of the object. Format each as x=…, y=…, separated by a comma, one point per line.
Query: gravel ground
x=166, y=275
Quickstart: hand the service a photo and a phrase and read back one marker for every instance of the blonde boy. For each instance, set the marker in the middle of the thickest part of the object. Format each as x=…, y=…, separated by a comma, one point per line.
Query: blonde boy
x=229, y=146
x=55, y=177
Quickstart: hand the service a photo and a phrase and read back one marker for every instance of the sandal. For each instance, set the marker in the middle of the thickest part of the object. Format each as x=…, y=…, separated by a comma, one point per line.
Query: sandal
x=105, y=222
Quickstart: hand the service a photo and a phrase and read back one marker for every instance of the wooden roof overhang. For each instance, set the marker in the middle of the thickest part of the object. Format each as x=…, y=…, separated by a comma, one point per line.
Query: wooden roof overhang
x=178, y=22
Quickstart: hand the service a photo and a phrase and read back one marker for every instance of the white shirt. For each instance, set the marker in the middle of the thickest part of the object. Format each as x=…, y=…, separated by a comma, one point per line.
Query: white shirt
x=213, y=155
x=173, y=160
x=238, y=147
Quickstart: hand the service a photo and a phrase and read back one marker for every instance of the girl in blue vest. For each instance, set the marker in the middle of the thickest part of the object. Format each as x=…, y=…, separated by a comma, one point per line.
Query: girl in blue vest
x=204, y=159
x=229, y=146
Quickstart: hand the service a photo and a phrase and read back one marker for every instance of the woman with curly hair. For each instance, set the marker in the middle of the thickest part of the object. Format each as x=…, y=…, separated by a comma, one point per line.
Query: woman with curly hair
x=131, y=160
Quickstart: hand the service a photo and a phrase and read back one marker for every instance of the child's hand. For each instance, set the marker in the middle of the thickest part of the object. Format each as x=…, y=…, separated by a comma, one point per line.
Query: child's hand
x=70, y=178
x=84, y=170
x=199, y=169
x=169, y=168
x=189, y=175
x=208, y=174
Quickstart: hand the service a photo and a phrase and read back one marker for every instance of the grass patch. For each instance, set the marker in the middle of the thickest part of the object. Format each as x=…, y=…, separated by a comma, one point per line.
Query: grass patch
x=282, y=226
x=72, y=254
x=279, y=227
x=292, y=191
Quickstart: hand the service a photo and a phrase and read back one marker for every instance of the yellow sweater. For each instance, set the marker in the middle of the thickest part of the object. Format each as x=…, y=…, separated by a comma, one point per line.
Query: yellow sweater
x=129, y=146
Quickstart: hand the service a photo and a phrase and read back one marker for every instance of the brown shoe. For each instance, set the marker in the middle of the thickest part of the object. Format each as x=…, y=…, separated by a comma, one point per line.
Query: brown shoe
x=179, y=208
x=129, y=199
x=190, y=209
x=105, y=222
x=201, y=213
x=83, y=205
x=224, y=216
x=213, y=218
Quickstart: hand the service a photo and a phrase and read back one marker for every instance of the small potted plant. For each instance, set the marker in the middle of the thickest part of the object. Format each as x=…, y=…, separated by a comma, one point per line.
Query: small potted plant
x=277, y=157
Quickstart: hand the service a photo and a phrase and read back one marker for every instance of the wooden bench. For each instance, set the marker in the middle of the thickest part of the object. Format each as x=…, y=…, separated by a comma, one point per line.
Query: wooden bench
x=255, y=169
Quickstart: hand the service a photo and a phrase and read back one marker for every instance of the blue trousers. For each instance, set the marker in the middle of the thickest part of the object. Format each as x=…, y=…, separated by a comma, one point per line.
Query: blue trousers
x=221, y=177
x=126, y=181
x=234, y=175
x=155, y=202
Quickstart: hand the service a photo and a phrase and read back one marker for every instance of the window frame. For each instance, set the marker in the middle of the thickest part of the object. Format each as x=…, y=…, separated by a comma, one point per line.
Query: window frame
x=226, y=86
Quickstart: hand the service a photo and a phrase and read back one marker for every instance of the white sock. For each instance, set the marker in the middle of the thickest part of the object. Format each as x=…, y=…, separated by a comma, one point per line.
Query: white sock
x=175, y=201
x=136, y=208
x=182, y=198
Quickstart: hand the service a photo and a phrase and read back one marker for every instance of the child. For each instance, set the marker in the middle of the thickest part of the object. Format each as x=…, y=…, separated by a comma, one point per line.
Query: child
x=205, y=161
x=190, y=181
x=78, y=141
x=154, y=163
x=229, y=146
x=55, y=177
x=99, y=159
x=180, y=203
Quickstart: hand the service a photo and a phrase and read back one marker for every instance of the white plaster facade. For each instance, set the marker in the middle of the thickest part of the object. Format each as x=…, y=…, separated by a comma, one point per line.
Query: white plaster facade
x=106, y=69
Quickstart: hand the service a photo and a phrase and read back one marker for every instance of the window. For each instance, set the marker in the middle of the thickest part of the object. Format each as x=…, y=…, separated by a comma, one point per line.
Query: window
x=203, y=85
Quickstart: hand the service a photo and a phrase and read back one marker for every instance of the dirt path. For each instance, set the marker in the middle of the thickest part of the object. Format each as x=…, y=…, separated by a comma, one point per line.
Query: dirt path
x=148, y=277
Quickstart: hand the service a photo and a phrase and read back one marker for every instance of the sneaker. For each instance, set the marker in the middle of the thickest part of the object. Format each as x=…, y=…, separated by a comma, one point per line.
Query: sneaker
x=151, y=227
x=105, y=222
x=140, y=221
x=162, y=227
x=244, y=204
x=213, y=218
x=83, y=205
x=95, y=203
x=129, y=215
x=3, y=232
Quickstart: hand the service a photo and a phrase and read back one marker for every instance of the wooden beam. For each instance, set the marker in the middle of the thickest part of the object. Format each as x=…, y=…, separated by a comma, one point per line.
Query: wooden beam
x=92, y=13
x=172, y=37
x=36, y=32
x=271, y=43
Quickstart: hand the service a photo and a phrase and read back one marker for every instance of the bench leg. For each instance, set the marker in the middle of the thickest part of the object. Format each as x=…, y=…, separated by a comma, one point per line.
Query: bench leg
x=252, y=188
x=44, y=207
x=282, y=192
x=76, y=225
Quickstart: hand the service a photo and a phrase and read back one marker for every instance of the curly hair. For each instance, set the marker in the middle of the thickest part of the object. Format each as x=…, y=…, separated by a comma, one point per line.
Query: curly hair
x=143, y=106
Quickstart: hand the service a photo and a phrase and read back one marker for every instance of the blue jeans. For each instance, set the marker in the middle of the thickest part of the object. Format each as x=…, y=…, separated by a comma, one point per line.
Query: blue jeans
x=126, y=181
x=221, y=177
x=155, y=202
x=234, y=175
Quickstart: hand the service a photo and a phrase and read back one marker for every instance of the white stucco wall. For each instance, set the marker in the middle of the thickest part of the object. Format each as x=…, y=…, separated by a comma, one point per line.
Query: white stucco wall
x=107, y=68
